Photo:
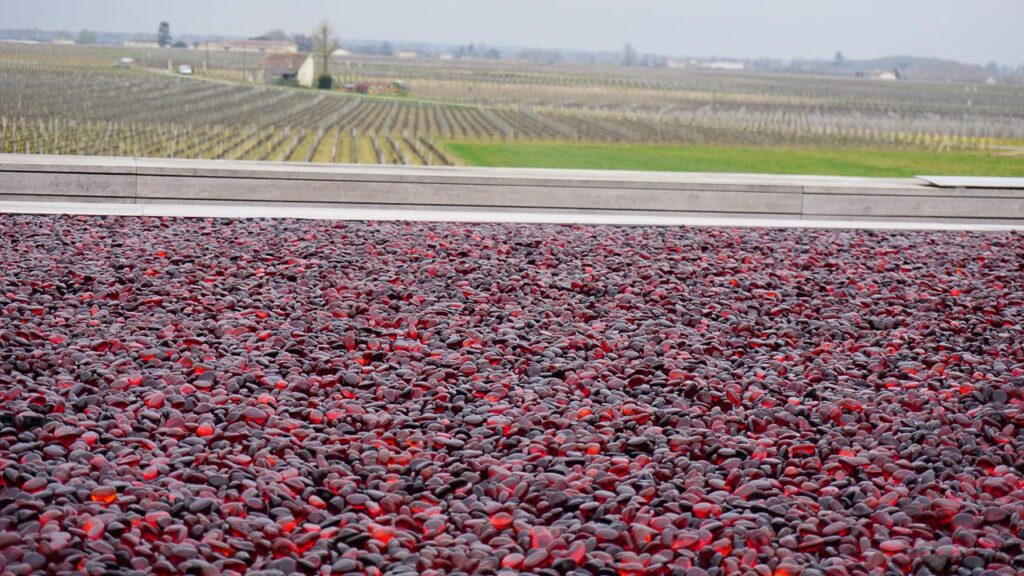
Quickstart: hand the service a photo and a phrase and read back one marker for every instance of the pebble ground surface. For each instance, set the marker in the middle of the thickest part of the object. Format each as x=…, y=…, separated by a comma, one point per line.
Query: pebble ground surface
x=280, y=397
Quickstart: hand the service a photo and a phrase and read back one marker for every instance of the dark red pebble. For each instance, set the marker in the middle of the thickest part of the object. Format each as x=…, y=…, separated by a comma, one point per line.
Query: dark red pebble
x=535, y=559
x=227, y=397
x=104, y=495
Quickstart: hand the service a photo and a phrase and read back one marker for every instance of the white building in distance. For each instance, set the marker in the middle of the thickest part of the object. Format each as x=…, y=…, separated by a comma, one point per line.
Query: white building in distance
x=143, y=44
x=724, y=65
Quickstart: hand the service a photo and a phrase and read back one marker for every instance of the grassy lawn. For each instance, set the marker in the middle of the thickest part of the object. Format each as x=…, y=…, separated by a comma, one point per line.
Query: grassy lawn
x=839, y=162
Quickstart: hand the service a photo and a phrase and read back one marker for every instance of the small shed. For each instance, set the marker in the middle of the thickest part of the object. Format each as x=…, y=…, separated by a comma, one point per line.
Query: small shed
x=289, y=68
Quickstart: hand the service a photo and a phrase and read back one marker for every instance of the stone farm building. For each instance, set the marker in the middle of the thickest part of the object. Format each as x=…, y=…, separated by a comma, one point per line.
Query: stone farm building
x=264, y=46
x=286, y=68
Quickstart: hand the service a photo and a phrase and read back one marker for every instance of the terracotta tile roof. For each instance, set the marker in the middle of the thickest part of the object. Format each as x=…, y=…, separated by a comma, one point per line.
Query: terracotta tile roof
x=284, y=61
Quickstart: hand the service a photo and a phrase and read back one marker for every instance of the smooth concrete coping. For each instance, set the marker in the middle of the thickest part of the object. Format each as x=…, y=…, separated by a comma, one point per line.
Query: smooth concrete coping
x=469, y=215
x=429, y=174
x=28, y=178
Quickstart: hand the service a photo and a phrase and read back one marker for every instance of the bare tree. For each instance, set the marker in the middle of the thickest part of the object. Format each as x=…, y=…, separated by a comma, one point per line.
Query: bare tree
x=324, y=44
x=629, y=56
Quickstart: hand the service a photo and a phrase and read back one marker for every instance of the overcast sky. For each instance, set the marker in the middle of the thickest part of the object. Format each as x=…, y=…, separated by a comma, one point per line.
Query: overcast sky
x=968, y=30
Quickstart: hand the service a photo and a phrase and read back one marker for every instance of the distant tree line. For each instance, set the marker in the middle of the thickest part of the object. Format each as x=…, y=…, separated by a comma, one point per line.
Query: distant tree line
x=477, y=51
x=87, y=37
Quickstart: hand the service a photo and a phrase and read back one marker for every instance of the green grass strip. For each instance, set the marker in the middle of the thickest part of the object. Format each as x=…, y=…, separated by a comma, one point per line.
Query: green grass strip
x=785, y=160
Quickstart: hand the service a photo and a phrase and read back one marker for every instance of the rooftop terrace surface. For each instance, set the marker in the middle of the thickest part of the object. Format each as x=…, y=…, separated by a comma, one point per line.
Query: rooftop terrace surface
x=285, y=396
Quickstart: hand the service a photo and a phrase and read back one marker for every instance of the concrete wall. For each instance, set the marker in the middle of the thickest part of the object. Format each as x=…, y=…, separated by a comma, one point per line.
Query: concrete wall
x=130, y=180
x=307, y=76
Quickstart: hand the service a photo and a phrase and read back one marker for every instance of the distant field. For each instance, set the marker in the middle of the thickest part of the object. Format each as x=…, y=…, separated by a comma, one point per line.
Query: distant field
x=838, y=162
x=71, y=100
